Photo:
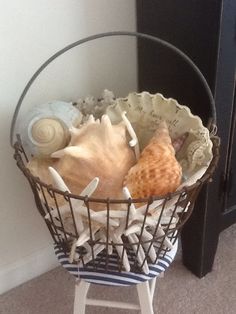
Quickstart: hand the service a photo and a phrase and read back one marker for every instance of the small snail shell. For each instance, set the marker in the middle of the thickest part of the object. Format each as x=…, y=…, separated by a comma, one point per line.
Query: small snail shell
x=48, y=135
x=45, y=128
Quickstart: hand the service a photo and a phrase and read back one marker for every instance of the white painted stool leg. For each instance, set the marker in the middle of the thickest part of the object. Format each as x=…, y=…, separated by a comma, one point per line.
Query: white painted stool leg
x=152, y=286
x=145, y=298
x=81, y=290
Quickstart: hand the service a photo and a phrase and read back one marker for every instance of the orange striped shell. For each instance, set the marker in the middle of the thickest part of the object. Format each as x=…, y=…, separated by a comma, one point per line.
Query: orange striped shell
x=157, y=171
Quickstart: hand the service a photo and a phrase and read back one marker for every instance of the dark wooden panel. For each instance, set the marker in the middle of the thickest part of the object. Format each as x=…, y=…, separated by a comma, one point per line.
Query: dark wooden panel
x=201, y=234
x=224, y=97
x=230, y=195
x=191, y=25
x=204, y=30
x=184, y=24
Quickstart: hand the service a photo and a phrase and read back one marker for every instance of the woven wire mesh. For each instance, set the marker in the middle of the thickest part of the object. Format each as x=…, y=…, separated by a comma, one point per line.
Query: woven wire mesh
x=170, y=214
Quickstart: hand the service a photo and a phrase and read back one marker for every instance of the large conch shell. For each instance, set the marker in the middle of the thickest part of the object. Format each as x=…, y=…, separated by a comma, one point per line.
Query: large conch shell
x=157, y=171
x=145, y=111
x=46, y=128
x=97, y=149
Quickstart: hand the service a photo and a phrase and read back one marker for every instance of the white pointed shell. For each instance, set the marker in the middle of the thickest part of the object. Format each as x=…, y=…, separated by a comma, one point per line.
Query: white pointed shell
x=145, y=111
x=45, y=128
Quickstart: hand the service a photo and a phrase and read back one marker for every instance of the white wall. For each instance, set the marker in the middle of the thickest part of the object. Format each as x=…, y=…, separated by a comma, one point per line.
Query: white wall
x=30, y=32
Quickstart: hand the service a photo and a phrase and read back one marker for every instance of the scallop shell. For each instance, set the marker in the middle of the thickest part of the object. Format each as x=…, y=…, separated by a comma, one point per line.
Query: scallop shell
x=145, y=111
x=157, y=171
x=46, y=127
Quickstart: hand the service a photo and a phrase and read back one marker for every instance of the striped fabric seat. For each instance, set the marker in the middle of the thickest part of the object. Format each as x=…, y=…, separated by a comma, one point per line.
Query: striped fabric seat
x=112, y=276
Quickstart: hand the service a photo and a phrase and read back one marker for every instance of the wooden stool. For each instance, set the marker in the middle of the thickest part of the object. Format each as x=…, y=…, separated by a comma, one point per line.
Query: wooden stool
x=145, y=283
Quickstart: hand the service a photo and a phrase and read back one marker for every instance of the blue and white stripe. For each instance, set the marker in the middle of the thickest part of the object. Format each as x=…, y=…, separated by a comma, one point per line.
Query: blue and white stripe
x=112, y=276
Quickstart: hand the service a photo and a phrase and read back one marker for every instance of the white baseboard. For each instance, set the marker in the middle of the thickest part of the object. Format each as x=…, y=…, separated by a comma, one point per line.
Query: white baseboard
x=29, y=267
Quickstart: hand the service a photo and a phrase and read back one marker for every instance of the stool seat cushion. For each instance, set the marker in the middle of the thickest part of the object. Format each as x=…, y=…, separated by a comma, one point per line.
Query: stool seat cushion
x=114, y=278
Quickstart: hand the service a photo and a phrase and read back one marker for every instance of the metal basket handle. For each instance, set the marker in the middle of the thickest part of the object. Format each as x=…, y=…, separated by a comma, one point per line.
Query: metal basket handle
x=109, y=34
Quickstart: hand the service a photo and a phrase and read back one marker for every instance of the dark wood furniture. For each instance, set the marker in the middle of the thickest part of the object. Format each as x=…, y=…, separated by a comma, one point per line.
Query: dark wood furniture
x=206, y=31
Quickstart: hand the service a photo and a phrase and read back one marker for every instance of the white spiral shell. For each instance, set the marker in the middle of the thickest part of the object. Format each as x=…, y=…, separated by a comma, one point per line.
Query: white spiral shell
x=48, y=135
x=46, y=127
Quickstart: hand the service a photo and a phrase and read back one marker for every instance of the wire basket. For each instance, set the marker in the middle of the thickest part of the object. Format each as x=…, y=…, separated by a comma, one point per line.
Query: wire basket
x=150, y=226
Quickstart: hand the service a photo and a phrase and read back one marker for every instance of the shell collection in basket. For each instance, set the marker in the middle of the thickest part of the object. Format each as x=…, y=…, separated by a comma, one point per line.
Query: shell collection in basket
x=117, y=148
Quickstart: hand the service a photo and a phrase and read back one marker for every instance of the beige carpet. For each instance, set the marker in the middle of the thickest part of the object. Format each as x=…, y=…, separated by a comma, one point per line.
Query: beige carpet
x=178, y=292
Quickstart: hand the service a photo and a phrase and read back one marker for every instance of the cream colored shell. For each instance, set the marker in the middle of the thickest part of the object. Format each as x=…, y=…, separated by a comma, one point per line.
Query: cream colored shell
x=48, y=135
x=45, y=128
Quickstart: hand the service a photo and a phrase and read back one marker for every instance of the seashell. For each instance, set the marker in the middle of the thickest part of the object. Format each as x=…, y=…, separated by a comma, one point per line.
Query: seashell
x=179, y=141
x=106, y=100
x=145, y=111
x=193, y=179
x=87, y=105
x=108, y=96
x=48, y=135
x=46, y=127
x=39, y=168
x=157, y=172
x=97, y=149
x=96, y=107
